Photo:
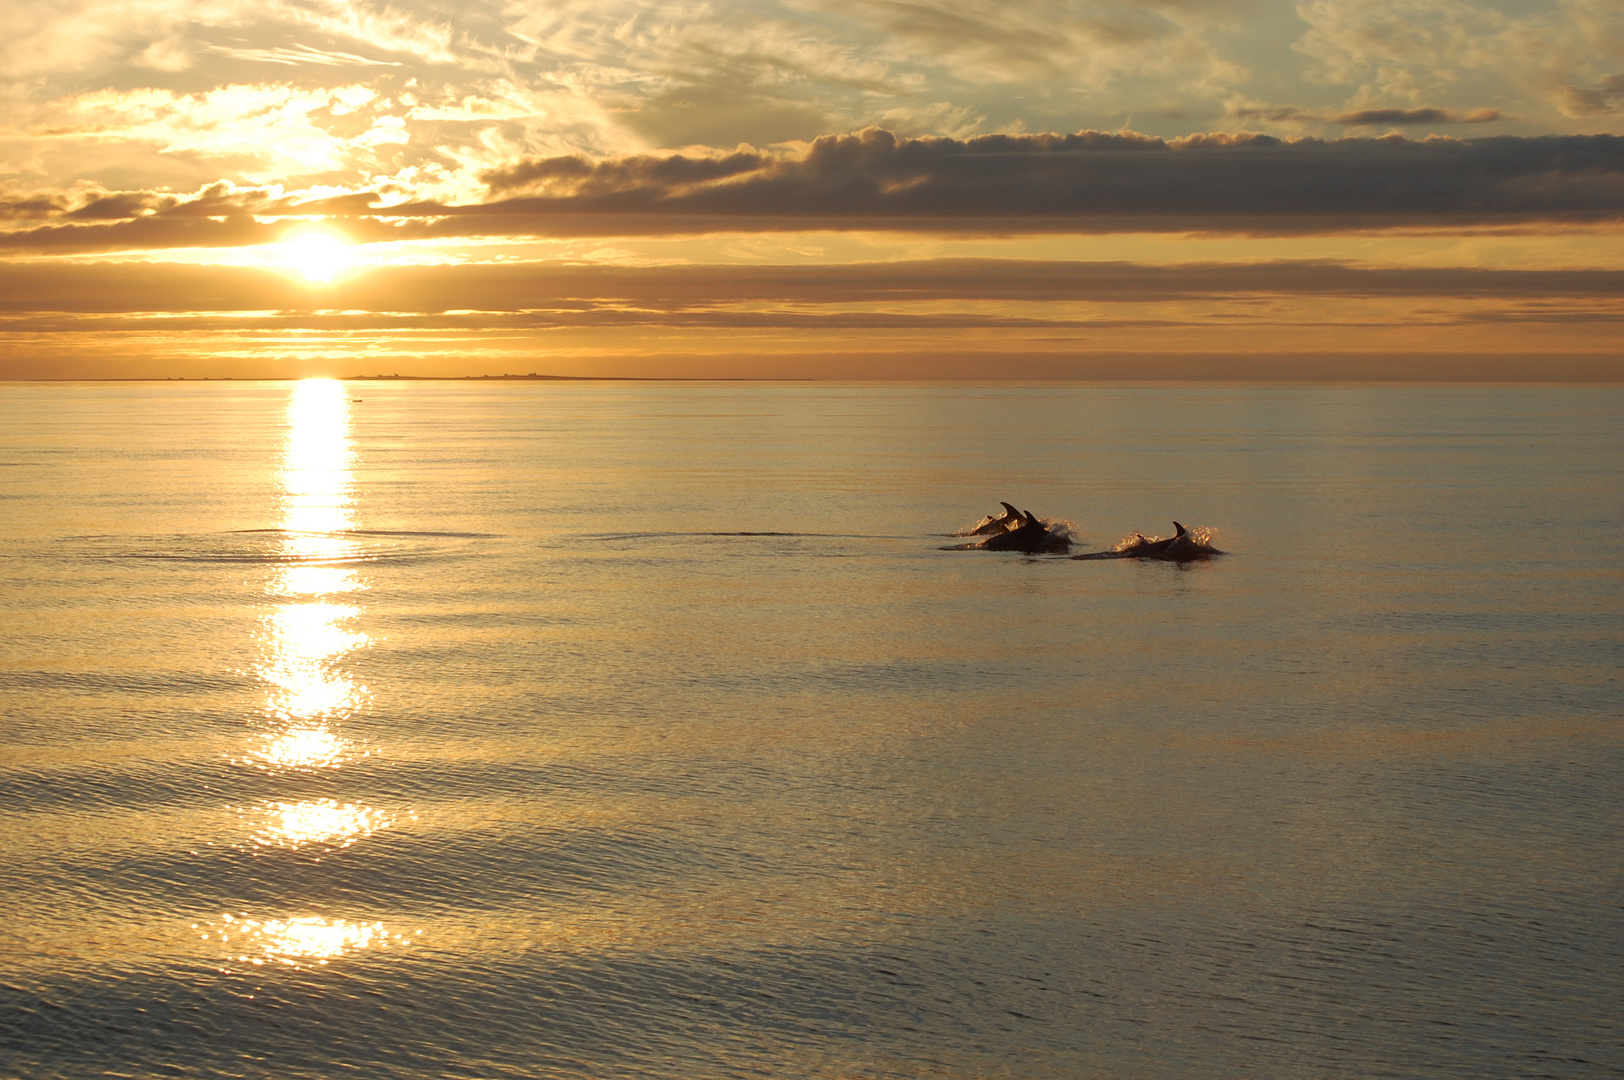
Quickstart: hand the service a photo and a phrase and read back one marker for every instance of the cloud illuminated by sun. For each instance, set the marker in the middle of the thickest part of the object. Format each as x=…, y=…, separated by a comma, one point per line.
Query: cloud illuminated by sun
x=317, y=252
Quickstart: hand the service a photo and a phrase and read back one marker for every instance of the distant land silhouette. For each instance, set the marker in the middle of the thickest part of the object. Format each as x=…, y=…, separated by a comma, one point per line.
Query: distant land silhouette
x=532, y=375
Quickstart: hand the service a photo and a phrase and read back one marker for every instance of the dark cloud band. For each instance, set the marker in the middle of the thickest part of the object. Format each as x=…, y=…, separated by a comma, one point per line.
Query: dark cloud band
x=562, y=287
x=1371, y=117
x=872, y=180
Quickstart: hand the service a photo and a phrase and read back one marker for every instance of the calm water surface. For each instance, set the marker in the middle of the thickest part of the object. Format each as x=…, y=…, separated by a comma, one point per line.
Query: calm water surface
x=461, y=730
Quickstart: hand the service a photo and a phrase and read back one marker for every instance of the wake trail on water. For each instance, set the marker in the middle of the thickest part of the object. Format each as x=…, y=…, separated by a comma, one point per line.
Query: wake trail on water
x=787, y=535
x=273, y=547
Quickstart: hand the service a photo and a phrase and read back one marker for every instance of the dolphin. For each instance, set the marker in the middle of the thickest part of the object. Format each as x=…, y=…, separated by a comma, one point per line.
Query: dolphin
x=1030, y=536
x=1180, y=547
x=1011, y=520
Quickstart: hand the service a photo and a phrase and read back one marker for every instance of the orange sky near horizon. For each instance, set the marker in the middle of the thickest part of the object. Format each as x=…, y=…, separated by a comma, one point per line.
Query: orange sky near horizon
x=778, y=189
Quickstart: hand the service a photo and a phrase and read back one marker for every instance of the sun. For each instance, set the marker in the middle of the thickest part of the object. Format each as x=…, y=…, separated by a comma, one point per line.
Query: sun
x=316, y=251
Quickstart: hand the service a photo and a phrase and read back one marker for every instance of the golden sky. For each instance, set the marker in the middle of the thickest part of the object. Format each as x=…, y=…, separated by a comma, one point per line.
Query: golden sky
x=805, y=188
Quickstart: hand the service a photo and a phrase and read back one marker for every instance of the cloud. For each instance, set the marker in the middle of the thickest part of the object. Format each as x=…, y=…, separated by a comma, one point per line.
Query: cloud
x=33, y=207
x=1418, y=49
x=596, y=76
x=293, y=56
x=51, y=37
x=275, y=130
x=56, y=318
x=1091, y=181
x=573, y=175
x=1084, y=182
x=121, y=205
x=1080, y=42
x=165, y=54
x=349, y=133
x=1607, y=96
x=1402, y=45
x=606, y=75
x=1407, y=117
x=150, y=94
x=1417, y=117
x=678, y=74
x=553, y=291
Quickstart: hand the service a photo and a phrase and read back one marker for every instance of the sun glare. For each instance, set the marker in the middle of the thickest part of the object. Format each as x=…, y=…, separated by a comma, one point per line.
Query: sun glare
x=317, y=252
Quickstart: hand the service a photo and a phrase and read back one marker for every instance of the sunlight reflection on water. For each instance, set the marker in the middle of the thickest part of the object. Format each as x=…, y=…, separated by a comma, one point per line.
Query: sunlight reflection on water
x=316, y=581
x=309, y=693
x=307, y=637
x=320, y=821
x=303, y=748
x=296, y=942
x=316, y=470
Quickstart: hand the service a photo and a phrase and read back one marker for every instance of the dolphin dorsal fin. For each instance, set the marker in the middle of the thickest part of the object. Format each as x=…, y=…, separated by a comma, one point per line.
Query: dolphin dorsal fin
x=1030, y=520
x=1012, y=511
x=1181, y=530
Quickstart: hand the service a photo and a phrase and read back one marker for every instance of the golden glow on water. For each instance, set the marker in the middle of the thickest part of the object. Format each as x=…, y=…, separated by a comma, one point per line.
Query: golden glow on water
x=307, y=635
x=295, y=942
x=306, y=640
x=320, y=821
x=317, y=581
x=303, y=748
x=316, y=464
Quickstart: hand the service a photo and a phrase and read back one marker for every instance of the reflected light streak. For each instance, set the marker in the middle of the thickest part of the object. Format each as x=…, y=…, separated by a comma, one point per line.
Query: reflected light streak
x=306, y=634
x=316, y=581
x=309, y=692
x=307, y=637
x=316, y=464
x=309, y=633
x=296, y=942
x=304, y=748
x=319, y=821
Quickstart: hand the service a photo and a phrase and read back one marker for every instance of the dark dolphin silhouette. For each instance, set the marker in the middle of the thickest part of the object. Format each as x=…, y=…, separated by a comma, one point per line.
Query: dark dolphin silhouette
x=1180, y=547
x=1011, y=519
x=1031, y=536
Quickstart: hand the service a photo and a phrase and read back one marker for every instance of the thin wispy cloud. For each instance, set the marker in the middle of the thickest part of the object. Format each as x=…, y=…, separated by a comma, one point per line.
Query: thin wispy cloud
x=302, y=54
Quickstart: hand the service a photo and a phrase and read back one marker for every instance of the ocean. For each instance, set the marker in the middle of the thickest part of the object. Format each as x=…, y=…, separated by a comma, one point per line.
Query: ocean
x=502, y=729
